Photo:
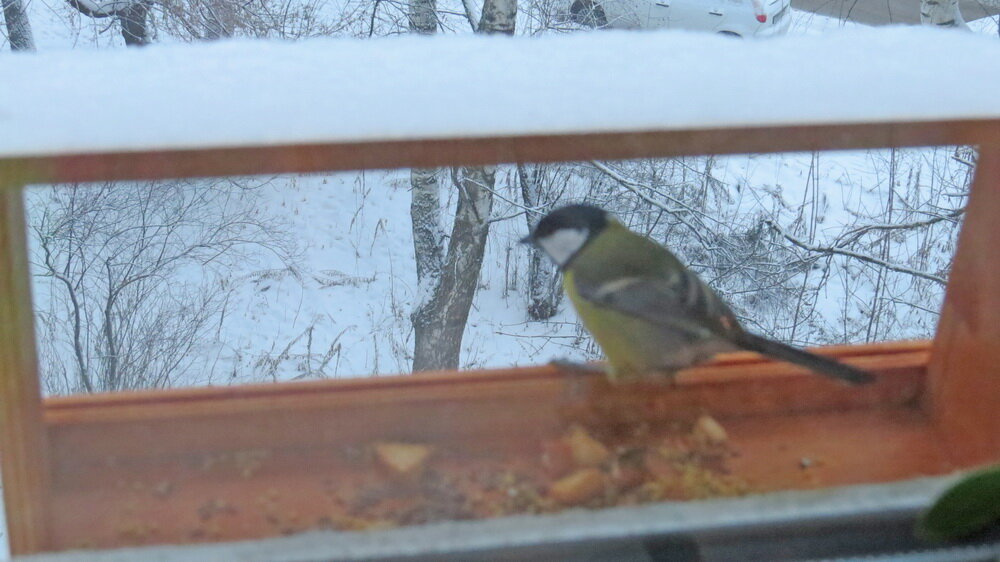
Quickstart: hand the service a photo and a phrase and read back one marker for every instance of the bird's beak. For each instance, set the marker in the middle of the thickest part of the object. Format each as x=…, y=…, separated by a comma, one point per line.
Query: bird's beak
x=527, y=240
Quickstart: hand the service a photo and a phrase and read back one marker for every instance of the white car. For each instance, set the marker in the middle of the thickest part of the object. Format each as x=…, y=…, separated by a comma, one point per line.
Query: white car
x=739, y=18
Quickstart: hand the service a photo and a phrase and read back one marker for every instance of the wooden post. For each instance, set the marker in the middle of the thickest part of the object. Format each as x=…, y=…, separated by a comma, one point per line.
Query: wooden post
x=23, y=443
x=964, y=371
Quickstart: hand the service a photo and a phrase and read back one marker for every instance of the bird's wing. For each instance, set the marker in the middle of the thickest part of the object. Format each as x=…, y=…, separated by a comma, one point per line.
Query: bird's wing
x=687, y=305
x=681, y=302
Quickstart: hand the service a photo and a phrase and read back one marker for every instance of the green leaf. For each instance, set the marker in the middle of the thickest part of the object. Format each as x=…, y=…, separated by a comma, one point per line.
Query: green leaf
x=971, y=505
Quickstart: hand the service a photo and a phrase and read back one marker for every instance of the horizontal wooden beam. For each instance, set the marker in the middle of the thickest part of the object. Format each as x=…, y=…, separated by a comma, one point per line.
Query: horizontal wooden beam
x=492, y=409
x=487, y=407
x=334, y=156
x=734, y=369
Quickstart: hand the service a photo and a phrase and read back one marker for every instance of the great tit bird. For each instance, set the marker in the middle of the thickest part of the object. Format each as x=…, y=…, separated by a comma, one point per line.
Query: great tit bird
x=649, y=313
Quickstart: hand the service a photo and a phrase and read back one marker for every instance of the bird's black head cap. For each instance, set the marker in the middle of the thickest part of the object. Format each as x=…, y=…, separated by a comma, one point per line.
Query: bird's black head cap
x=579, y=216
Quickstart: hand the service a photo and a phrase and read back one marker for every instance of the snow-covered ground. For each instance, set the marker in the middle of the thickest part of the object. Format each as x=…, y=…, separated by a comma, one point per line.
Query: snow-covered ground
x=345, y=304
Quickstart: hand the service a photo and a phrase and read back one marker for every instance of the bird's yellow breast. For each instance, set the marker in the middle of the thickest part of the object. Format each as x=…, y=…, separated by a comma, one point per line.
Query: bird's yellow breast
x=631, y=345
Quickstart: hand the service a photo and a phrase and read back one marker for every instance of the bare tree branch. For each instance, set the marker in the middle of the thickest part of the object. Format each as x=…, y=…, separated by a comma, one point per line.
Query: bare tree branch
x=827, y=250
x=140, y=272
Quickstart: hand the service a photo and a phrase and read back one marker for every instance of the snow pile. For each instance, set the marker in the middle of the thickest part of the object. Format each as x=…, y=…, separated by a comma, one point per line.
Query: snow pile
x=250, y=93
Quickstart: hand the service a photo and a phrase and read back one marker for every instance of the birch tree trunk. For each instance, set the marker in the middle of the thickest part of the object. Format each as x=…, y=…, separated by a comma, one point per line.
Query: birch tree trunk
x=447, y=291
x=425, y=202
x=134, y=24
x=498, y=17
x=18, y=27
x=425, y=214
x=544, y=292
x=439, y=321
x=942, y=13
x=423, y=17
x=131, y=14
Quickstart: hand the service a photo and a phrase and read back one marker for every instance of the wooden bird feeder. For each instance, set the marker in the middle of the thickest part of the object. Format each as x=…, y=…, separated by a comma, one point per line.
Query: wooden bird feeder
x=110, y=470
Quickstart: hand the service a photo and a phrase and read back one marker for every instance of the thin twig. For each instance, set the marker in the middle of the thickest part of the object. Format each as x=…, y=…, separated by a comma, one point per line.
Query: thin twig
x=851, y=254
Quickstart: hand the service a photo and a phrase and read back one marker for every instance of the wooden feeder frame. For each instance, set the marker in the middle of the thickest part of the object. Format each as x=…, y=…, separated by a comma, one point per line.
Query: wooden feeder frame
x=933, y=410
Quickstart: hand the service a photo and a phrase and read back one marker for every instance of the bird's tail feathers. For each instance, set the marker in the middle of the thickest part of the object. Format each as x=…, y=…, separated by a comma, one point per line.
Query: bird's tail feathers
x=822, y=365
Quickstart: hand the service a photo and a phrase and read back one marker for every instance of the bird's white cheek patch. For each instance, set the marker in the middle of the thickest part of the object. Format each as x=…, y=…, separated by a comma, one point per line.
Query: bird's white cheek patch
x=563, y=243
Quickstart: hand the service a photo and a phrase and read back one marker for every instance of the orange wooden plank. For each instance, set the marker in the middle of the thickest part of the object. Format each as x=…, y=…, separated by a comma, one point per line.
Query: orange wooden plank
x=764, y=388
x=490, y=410
x=965, y=371
x=901, y=361
x=332, y=156
x=23, y=443
x=63, y=409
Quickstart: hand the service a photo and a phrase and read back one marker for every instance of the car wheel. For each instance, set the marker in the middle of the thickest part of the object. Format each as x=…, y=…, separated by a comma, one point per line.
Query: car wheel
x=732, y=34
x=587, y=13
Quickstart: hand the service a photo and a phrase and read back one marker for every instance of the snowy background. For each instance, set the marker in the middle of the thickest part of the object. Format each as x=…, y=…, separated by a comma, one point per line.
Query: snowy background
x=327, y=285
x=338, y=304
